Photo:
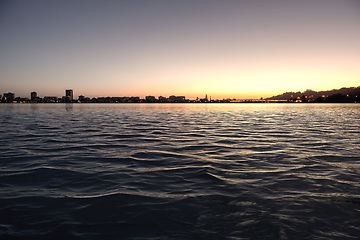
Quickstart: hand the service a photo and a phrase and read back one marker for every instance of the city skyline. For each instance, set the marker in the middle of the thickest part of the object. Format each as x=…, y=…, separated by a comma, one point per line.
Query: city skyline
x=239, y=49
x=10, y=97
x=342, y=95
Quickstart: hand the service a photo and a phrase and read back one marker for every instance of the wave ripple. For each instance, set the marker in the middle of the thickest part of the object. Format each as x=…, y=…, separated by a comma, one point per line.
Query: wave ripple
x=180, y=171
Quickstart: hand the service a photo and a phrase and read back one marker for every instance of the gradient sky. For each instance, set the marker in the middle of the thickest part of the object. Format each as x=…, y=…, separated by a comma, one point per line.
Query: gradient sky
x=223, y=48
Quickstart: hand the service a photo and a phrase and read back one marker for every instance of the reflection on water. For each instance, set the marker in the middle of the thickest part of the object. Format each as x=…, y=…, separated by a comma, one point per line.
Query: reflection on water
x=69, y=106
x=180, y=171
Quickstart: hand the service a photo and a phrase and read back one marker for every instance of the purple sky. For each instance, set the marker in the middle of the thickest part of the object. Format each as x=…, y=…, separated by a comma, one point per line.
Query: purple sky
x=224, y=48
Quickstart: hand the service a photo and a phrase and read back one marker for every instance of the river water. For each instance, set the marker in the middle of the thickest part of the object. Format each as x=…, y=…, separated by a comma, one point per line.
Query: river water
x=180, y=171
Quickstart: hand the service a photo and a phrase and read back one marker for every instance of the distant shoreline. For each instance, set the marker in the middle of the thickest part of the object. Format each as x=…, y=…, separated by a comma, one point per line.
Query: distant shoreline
x=231, y=102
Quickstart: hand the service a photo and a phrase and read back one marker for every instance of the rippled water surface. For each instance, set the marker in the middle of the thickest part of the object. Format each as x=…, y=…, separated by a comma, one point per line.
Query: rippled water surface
x=179, y=171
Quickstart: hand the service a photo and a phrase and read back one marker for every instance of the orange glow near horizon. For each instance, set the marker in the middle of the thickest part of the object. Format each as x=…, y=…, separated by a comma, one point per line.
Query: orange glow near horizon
x=239, y=85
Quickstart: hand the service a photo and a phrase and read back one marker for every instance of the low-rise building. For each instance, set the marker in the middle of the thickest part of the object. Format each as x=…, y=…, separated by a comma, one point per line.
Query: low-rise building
x=9, y=97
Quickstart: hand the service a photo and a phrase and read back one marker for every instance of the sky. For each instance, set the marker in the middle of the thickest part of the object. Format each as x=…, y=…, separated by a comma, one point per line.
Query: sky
x=243, y=49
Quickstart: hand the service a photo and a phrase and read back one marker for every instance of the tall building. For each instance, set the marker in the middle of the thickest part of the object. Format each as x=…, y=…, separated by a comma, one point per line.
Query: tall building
x=69, y=94
x=33, y=96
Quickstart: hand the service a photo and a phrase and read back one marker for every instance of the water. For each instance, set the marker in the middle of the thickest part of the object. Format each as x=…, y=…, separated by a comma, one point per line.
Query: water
x=179, y=171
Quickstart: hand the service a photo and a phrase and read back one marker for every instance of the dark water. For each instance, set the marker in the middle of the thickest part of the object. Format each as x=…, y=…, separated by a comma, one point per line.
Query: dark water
x=180, y=171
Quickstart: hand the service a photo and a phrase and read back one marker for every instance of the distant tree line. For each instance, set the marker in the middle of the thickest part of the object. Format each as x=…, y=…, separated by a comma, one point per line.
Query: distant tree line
x=338, y=98
x=343, y=95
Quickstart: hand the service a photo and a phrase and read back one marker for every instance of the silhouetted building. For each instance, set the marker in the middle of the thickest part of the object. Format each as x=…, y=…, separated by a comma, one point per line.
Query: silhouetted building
x=34, y=97
x=176, y=99
x=134, y=99
x=69, y=94
x=81, y=98
x=9, y=97
x=50, y=99
x=163, y=99
x=21, y=100
x=150, y=99
x=203, y=100
x=116, y=99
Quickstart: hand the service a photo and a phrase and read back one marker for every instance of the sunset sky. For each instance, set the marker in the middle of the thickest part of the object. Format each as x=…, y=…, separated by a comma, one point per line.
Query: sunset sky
x=223, y=48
